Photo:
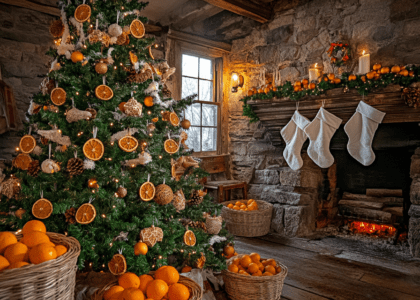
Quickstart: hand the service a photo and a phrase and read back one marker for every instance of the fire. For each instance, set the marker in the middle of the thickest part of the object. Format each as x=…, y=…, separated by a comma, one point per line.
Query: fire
x=372, y=229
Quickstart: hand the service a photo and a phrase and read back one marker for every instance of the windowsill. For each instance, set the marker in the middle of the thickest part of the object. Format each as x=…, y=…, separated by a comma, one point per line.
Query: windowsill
x=208, y=155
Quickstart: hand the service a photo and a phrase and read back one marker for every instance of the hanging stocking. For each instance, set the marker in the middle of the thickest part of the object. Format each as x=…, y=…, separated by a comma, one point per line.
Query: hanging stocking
x=320, y=132
x=361, y=129
x=294, y=136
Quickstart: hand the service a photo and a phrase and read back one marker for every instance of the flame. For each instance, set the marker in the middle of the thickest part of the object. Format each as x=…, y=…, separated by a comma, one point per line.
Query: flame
x=363, y=52
x=372, y=229
x=316, y=65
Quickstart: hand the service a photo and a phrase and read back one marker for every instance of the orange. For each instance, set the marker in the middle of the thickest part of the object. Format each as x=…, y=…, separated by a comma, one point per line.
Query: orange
x=34, y=238
x=236, y=207
x=245, y=261
x=6, y=239
x=157, y=289
x=148, y=101
x=168, y=274
x=171, y=146
x=238, y=203
x=261, y=266
x=233, y=268
x=278, y=270
x=230, y=205
x=77, y=56
x=253, y=268
x=60, y=249
x=255, y=257
x=42, y=253
x=228, y=250
x=178, y=291
x=144, y=281
x=271, y=262
x=4, y=263
x=129, y=280
x=241, y=268
x=243, y=272
x=270, y=269
x=186, y=269
x=243, y=206
x=250, y=201
x=132, y=294
x=17, y=265
x=115, y=290
x=236, y=261
x=85, y=214
x=34, y=225
x=258, y=273
x=140, y=248
x=267, y=274
x=16, y=252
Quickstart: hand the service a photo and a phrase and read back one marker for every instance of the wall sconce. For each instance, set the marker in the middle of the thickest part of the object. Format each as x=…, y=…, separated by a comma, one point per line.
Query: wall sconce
x=237, y=82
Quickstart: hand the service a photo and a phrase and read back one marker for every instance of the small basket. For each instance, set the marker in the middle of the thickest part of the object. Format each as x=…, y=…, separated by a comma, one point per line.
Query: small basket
x=213, y=224
x=196, y=292
x=240, y=287
x=53, y=280
x=248, y=223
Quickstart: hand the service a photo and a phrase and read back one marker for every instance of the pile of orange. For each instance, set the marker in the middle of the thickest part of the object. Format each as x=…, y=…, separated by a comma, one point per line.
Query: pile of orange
x=164, y=285
x=253, y=265
x=35, y=247
x=249, y=205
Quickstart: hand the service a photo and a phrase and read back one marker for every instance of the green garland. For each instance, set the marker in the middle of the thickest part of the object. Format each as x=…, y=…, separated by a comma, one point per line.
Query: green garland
x=363, y=88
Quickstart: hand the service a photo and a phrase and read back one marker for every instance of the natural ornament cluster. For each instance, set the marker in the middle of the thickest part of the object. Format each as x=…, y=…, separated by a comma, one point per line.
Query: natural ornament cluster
x=379, y=77
x=110, y=166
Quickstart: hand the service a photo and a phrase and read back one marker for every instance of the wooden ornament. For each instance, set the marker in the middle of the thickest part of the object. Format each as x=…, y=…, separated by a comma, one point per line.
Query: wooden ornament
x=118, y=265
x=189, y=238
x=185, y=124
x=22, y=161
x=58, y=96
x=86, y=214
x=42, y=209
x=82, y=13
x=128, y=143
x=151, y=235
x=164, y=194
x=93, y=149
x=137, y=29
x=147, y=191
x=27, y=144
x=171, y=146
x=104, y=92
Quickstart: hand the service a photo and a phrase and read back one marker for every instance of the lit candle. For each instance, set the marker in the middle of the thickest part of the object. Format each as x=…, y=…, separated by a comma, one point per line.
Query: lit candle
x=314, y=74
x=364, y=63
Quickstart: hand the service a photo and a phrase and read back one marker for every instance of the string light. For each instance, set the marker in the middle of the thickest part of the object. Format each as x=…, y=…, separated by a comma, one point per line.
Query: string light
x=80, y=133
x=84, y=46
x=160, y=156
x=59, y=130
x=133, y=165
x=156, y=46
x=103, y=216
x=116, y=195
x=122, y=7
x=72, y=37
x=66, y=233
x=115, y=67
x=111, y=124
x=149, y=112
x=161, y=112
x=153, y=266
x=88, y=119
x=121, y=64
x=17, y=149
x=103, y=266
x=110, y=244
x=112, y=143
x=113, y=206
x=160, y=257
x=117, y=180
x=194, y=252
x=93, y=191
x=151, y=134
x=77, y=93
x=182, y=251
x=90, y=264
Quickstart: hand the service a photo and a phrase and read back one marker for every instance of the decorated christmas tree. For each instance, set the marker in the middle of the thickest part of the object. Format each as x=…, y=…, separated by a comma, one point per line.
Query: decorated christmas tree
x=103, y=156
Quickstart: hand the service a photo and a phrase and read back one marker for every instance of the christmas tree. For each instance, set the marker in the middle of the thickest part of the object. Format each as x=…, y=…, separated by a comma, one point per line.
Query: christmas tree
x=111, y=167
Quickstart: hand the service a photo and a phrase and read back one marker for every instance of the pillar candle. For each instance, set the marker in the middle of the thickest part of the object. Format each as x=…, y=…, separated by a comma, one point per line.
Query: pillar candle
x=364, y=63
x=313, y=74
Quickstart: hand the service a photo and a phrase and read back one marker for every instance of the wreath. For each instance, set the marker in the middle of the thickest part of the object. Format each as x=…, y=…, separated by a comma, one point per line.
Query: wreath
x=339, y=53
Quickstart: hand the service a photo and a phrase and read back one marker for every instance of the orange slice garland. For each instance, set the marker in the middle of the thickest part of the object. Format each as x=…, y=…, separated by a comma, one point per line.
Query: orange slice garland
x=22, y=161
x=128, y=143
x=173, y=118
x=147, y=191
x=93, y=149
x=27, y=143
x=189, y=238
x=117, y=265
x=104, y=92
x=86, y=214
x=82, y=13
x=58, y=96
x=171, y=146
x=42, y=209
x=137, y=29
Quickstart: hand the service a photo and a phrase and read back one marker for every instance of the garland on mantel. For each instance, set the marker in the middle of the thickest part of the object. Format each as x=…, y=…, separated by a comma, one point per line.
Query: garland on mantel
x=361, y=83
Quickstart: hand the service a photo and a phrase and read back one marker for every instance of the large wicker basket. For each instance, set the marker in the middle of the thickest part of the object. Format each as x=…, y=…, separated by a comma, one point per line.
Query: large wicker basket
x=52, y=280
x=196, y=292
x=240, y=287
x=248, y=223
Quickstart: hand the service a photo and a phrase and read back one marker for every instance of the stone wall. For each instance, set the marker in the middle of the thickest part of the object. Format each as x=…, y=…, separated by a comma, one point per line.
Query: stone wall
x=414, y=212
x=24, y=40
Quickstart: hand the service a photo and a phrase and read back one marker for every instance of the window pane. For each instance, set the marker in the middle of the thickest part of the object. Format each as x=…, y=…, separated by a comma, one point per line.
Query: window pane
x=209, y=115
x=206, y=90
x=189, y=65
x=209, y=139
x=193, y=141
x=206, y=69
x=193, y=113
x=189, y=87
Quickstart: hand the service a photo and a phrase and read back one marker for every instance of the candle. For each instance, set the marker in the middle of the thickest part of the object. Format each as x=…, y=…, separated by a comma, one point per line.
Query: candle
x=364, y=63
x=314, y=73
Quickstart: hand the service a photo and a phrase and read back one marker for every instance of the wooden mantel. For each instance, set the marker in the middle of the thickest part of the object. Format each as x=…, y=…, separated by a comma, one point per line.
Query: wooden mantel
x=276, y=113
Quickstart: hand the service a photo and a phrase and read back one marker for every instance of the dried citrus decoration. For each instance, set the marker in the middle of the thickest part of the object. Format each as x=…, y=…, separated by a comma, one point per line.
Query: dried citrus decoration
x=104, y=92
x=128, y=143
x=147, y=191
x=150, y=53
x=82, y=13
x=133, y=58
x=173, y=118
x=42, y=209
x=27, y=143
x=166, y=116
x=189, y=238
x=154, y=120
x=86, y=214
x=93, y=149
x=58, y=96
x=137, y=29
x=171, y=146
x=117, y=265
x=121, y=106
x=22, y=161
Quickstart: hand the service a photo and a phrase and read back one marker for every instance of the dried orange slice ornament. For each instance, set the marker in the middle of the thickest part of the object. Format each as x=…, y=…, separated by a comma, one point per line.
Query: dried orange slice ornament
x=189, y=238
x=117, y=265
x=82, y=13
x=171, y=146
x=93, y=149
x=173, y=118
x=22, y=161
x=147, y=190
x=133, y=57
x=58, y=96
x=86, y=214
x=42, y=209
x=27, y=143
x=104, y=92
x=150, y=53
x=137, y=29
x=128, y=143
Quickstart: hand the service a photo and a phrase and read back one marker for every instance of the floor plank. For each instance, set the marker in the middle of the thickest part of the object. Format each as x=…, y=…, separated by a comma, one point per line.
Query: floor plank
x=292, y=293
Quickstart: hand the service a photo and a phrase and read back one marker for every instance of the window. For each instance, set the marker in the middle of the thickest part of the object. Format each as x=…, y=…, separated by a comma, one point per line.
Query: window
x=198, y=78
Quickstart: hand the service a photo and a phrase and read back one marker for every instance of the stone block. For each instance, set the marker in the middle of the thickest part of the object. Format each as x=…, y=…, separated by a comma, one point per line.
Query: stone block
x=301, y=178
x=415, y=166
x=289, y=74
x=280, y=35
x=415, y=192
x=255, y=190
x=259, y=148
x=298, y=221
x=266, y=177
x=303, y=37
x=277, y=221
x=286, y=195
x=259, y=134
x=383, y=33
x=281, y=21
x=414, y=211
x=412, y=28
x=414, y=236
x=238, y=148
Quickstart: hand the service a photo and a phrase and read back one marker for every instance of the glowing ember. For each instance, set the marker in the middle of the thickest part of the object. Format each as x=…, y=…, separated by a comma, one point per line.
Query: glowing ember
x=372, y=229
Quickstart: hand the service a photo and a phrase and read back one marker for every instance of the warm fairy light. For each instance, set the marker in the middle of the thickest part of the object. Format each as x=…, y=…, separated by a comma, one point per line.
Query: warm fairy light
x=66, y=233
x=59, y=131
x=110, y=244
x=115, y=67
x=77, y=93
x=151, y=134
x=72, y=37
x=194, y=252
x=84, y=46
x=111, y=124
x=17, y=149
x=103, y=266
x=156, y=46
x=122, y=7
x=117, y=180
x=80, y=133
x=115, y=195
x=90, y=264
x=91, y=25
x=113, y=206
x=18, y=184
x=133, y=165
x=160, y=156
x=144, y=144
x=182, y=251
x=121, y=64
x=160, y=257
x=149, y=112
x=103, y=216
x=93, y=192
x=112, y=143
x=316, y=65
x=110, y=159
x=161, y=112
x=88, y=119
x=235, y=77
x=153, y=266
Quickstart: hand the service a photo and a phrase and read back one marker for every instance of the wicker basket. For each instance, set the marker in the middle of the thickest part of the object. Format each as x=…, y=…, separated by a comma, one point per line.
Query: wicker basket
x=196, y=292
x=240, y=287
x=52, y=280
x=248, y=223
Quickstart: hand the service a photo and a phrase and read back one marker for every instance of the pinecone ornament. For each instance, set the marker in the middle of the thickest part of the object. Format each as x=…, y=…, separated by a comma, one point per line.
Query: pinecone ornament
x=75, y=166
x=194, y=224
x=70, y=215
x=166, y=92
x=140, y=77
x=34, y=168
x=179, y=201
x=197, y=197
x=44, y=141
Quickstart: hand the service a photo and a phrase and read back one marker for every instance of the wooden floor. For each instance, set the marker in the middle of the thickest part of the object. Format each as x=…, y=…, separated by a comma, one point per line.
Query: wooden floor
x=319, y=272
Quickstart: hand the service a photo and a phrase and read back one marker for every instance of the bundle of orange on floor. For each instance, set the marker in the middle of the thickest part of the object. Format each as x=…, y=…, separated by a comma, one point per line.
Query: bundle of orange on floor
x=249, y=205
x=253, y=265
x=35, y=247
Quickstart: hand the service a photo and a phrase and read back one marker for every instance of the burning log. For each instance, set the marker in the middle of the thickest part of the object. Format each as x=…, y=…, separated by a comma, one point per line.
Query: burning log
x=383, y=193
x=397, y=211
x=365, y=214
x=362, y=204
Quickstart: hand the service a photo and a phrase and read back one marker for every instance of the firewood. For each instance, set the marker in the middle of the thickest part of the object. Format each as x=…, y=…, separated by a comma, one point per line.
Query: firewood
x=362, y=204
x=397, y=211
x=365, y=214
x=383, y=193
x=394, y=201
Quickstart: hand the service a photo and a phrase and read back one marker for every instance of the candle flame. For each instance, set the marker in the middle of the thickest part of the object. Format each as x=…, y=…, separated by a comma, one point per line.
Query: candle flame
x=363, y=52
x=316, y=65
